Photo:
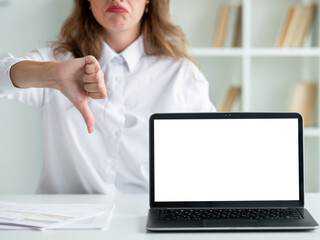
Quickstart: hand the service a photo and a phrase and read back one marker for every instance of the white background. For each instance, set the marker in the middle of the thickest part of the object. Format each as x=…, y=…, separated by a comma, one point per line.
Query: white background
x=25, y=25
x=226, y=160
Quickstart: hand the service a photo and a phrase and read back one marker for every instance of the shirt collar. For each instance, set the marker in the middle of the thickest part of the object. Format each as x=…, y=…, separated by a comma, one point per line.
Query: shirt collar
x=131, y=54
x=107, y=55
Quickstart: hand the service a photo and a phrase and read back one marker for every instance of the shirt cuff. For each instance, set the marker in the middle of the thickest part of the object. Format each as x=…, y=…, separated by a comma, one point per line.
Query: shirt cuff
x=6, y=85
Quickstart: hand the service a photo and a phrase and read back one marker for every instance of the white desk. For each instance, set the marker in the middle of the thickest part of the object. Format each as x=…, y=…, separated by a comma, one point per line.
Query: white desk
x=129, y=219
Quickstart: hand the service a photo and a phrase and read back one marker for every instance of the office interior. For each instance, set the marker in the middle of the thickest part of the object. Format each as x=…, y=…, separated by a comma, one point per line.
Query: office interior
x=266, y=73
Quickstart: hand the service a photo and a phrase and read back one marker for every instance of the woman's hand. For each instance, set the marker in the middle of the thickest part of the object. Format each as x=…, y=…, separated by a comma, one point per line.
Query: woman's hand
x=78, y=79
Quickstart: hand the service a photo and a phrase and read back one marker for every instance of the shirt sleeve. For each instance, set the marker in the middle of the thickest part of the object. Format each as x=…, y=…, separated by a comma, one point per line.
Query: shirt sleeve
x=196, y=89
x=33, y=97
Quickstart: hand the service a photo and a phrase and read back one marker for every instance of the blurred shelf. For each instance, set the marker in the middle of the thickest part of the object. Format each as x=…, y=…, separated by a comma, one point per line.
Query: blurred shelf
x=220, y=52
x=285, y=52
x=255, y=52
x=266, y=74
x=311, y=132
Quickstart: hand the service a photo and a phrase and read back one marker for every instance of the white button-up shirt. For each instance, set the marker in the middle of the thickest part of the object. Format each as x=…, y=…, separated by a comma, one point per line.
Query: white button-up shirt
x=115, y=156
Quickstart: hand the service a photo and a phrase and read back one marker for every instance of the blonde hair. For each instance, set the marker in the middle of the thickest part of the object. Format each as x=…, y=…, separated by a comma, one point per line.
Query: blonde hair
x=82, y=35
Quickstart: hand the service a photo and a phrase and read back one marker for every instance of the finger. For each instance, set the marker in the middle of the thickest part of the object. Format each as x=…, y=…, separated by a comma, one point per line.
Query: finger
x=92, y=68
x=87, y=115
x=93, y=78
x=90, y=78
x=94, y=87
x=96, y=95
x=91, y=65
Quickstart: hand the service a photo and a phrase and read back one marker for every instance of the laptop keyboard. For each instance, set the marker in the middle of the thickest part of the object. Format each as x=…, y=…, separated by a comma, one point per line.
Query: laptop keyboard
x=201, y=214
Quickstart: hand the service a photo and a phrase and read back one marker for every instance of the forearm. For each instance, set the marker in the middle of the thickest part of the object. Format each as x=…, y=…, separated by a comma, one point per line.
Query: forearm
x=33, y=74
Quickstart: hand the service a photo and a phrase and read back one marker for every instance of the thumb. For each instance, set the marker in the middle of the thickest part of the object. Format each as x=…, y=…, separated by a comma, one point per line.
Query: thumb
x=87, y=115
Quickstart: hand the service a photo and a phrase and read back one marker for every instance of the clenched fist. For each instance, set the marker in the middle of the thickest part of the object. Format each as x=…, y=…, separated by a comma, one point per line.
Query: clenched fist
x=78, y=79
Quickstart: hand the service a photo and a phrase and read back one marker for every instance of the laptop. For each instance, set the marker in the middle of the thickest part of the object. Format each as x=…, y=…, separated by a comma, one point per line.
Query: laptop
x=227, y=171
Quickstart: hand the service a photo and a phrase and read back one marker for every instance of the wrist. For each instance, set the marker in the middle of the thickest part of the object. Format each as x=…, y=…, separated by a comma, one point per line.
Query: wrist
x=32, y=74
x=51, y=75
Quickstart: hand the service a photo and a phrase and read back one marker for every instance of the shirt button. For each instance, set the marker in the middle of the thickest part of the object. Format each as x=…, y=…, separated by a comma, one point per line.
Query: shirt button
x=118, y=79
x=117, y=133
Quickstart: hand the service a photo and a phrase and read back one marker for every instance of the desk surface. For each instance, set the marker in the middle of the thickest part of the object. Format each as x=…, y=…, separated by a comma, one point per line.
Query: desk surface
x=129, y=219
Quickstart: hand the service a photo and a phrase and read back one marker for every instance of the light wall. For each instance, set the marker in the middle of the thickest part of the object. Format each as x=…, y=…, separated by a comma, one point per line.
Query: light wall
x=24, y=25
x=30, y=24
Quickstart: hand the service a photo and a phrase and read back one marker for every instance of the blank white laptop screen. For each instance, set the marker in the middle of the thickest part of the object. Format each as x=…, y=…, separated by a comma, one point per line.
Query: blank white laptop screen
x=226, y=160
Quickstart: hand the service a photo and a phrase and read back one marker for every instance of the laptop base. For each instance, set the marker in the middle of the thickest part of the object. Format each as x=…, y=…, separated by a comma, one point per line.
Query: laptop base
x=306, y=223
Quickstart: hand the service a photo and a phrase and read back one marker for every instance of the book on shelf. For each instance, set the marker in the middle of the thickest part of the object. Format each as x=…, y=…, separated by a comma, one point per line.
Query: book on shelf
x=228, y=27
x=221, y=27
x=228, y=42
x=238, y=30
x=304, y=99
x=229, y=99
x=297, y=26
x=306, y=19
x=292, y=27
x=285, y=27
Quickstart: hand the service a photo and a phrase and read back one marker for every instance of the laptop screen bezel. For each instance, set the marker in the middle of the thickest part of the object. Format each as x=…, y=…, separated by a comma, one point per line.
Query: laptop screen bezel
x=218, y=204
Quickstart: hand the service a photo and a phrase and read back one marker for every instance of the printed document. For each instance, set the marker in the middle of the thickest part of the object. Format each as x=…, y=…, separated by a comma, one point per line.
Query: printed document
x=54, y=216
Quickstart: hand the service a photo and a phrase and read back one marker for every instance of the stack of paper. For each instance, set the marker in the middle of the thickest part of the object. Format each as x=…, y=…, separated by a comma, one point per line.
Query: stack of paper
x=54, y=216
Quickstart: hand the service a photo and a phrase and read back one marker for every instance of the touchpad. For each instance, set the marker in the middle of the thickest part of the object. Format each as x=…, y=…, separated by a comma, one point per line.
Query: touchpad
x=231, y=223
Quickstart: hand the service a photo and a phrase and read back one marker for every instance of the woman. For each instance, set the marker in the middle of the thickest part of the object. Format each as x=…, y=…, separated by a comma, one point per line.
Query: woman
x=116, y=62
